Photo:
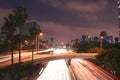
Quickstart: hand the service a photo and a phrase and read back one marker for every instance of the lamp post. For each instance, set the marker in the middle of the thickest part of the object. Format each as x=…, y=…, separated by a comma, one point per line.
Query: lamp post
x=101, y=43
x=38, y=37
x=32, y=44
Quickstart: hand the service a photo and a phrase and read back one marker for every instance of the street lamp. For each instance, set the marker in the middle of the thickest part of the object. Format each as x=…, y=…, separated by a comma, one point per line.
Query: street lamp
x=101, y=43
x=32, y=44
x=38, y=37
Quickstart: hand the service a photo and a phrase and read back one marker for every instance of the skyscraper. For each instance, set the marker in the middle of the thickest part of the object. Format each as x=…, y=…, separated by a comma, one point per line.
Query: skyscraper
x=118, y=3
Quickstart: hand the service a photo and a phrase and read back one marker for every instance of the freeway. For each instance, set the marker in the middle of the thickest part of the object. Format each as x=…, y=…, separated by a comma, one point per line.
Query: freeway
x=74, y=69
x=58, y=67
x=85, y=70
x=55, y=70
x=79, y=69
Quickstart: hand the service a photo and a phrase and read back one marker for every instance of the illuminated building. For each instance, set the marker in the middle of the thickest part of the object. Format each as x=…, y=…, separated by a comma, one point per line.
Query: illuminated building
x=118, y=3
x=109, y=39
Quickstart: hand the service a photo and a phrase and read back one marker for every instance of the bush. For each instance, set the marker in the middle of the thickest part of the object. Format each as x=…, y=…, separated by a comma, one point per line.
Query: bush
x=110, y=59
x=94, y=50
x=4, y=48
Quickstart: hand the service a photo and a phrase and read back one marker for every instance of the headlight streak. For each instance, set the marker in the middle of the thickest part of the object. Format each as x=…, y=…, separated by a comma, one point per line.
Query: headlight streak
x=24, y=54
x=55, y=70
x=89, y=71
x=99, y=72
x=84, y=73
x=59, y=51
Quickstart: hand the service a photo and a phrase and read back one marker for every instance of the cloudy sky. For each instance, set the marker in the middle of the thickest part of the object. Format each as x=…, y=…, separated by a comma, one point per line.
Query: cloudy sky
x=68, y=19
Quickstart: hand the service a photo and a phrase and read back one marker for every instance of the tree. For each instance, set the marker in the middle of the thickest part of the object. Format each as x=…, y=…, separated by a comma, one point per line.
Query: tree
x=17, y=19
x=116, y=39
x=103, y=33
x=34, y=32
x=110, y=59
x=96, y=39
x=51, y=39
x=9, y=28
x=20, y=18
x=84, y=37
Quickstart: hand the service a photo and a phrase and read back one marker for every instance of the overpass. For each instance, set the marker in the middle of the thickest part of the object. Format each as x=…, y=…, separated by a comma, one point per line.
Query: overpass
x=38, y=58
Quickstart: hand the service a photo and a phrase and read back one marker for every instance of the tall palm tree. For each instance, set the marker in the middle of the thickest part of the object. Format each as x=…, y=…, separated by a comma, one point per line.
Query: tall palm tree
x=84, y=37
x=116, y=39
x=103, y=33
x=9, y=28
x=20, y=17
x=51, y=39
x=33, y=33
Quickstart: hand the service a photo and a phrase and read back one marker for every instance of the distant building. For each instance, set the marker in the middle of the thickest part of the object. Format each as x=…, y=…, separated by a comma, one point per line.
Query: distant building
x=27, y=27
x=109, y=39
x=118, y=3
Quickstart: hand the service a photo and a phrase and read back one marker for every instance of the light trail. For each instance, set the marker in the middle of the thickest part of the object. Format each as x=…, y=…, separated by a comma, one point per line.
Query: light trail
x=98, y=72
x=7, y=57
x=55, y=70
x=85, y=70
x=25, y=54
x=81, y=72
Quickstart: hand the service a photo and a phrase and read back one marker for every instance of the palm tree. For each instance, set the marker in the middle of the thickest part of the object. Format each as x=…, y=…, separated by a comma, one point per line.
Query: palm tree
x=33, y=33
x=103, y=33
x=51, y=39
x=84, y=37
x=9, y=28
x=20, y=17
x=116, y=39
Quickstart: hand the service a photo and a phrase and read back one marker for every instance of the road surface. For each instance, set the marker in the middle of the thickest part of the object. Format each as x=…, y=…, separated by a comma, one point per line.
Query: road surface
x=78, y=69
x=55, y=70
x=85, y=70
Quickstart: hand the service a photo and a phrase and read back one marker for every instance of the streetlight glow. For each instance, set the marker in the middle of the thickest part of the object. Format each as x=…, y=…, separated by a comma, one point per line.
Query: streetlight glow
x=38, y=37
x=41, y=34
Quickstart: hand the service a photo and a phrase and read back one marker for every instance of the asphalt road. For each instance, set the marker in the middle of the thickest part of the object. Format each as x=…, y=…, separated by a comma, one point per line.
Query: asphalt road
x=85, y=70
x=61, y=69
x=77, y=69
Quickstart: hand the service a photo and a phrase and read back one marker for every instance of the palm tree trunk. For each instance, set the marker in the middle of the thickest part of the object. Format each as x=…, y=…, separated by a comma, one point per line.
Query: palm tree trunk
x=19, y=49
x=32, y=54
x=12, y=60
x=19, y=74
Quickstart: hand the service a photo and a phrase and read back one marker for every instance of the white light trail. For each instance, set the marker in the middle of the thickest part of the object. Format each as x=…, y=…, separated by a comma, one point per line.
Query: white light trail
x=55, y=70
x=59, y=51
x=25, y=54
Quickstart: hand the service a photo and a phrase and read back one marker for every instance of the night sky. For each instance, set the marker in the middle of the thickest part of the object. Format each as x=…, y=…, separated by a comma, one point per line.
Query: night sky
x=65, y=20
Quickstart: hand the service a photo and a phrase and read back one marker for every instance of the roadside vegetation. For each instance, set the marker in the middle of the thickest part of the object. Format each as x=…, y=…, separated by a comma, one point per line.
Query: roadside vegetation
x=109, y=52
x=28, y=71
x=110, y=60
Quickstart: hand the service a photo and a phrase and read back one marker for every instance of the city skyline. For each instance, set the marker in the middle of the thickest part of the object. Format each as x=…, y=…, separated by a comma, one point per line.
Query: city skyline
x=65, y=20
